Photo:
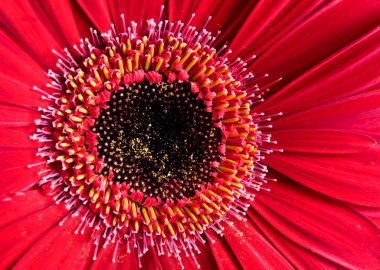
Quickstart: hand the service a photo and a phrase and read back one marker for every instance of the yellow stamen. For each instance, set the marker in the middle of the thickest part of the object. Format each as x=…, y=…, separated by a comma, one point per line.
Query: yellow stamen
x=158, y=65
x=76, y=119
x=232, y=147
x=186, y=55
x=230, y=120
x=227, y=170
x=191, y=64
x=199, y=73
x=121, y=66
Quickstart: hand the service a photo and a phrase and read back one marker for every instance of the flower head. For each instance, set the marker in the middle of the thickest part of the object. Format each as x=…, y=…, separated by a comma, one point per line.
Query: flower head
x=151, y=141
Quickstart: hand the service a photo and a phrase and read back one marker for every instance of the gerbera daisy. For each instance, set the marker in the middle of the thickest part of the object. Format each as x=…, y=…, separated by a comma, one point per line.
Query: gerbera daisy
x=196, y=134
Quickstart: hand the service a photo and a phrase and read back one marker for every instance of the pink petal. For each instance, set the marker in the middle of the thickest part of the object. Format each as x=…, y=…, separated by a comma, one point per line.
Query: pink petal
x=17, y=136
x=371, y=213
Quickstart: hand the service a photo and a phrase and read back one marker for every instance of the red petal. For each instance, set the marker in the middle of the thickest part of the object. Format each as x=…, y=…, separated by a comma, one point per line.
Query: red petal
x=124, y=260
x=310, y=42
x=225, y=256
x=31, y=29
x=64, y=26
x=272, y=19
x=249, y=247
x=323, y=141
x=98, y=12
x=18, y=236
x=23, y=205
x=17, y=137
x=298, y=256
x=360, y=112
x=321, y=225
x=353, y=178
x=205, y=259
x=227, y=16
x=142, y=11
x=372, y=214
x=18, y=74
x=345, y=73
x=58, y=248
x=13, y=169
x=17, y=116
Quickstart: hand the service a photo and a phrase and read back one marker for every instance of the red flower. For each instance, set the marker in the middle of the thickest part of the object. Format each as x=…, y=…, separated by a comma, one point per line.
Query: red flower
x=322, y=212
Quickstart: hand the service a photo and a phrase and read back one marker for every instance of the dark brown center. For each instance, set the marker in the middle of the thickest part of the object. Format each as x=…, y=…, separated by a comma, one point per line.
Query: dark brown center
x=158, y=139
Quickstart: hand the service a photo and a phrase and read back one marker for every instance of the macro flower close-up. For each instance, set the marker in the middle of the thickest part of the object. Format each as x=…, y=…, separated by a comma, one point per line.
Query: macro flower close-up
x=190, y=134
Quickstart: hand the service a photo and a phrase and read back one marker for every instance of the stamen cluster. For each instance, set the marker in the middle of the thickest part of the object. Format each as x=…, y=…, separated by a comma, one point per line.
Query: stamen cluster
x=93, y=140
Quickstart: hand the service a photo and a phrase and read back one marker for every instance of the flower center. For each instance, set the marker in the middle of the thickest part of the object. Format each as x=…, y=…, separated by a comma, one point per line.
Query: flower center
x=151, y=137
x=158, y=139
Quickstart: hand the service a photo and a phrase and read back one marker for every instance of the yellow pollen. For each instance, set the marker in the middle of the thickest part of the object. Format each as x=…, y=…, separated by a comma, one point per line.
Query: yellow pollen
x=226, y=190
x=197, y=47
x=160, y=48
x=171, y=230
x=190, y=214
x=129, y=46
x=105, y=60
x=152, y=213
x=134, y=210
x=81, y=176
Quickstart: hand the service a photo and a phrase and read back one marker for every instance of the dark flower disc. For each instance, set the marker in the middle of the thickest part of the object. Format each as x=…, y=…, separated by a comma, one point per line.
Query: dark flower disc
x=158, y=139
